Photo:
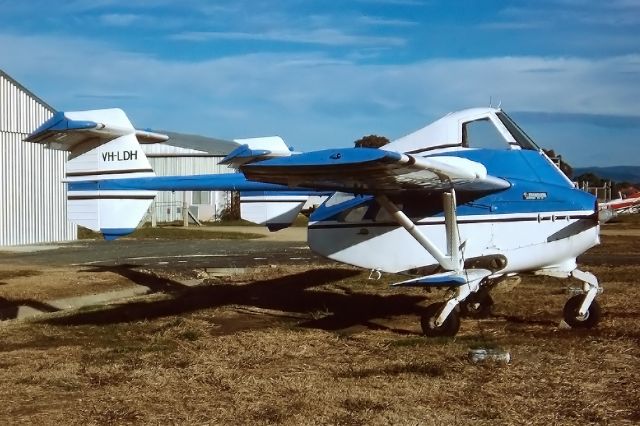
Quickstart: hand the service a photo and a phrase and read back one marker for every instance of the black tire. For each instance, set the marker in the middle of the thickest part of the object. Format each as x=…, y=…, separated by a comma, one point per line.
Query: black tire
x=571, y=317
x=477, y=305
x=448, y=329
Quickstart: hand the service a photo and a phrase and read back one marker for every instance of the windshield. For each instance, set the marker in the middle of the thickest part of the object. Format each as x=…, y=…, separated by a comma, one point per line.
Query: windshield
x=518, y=134
x=483, y=134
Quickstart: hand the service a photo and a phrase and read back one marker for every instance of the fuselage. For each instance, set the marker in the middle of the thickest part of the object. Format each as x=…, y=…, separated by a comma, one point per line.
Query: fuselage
x=540, y=222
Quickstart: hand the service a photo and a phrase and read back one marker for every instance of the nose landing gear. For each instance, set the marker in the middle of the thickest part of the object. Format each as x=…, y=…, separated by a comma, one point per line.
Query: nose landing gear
x=582, y=310
x=572, y=316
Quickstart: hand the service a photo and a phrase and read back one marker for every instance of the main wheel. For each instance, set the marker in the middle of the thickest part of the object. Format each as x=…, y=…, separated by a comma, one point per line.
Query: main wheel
x=477, y=305
x=571, y=316
x=450, y=326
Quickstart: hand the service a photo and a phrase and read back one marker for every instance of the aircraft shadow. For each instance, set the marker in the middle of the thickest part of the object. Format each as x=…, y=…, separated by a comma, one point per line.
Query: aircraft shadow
x=297, y=293
x=9, y=309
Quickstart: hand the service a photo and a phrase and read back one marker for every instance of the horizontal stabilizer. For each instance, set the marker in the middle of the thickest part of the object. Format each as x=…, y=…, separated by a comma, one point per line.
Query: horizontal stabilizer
x=255, y=149
x=276, y=211
x=446, y=279
x=69, y=131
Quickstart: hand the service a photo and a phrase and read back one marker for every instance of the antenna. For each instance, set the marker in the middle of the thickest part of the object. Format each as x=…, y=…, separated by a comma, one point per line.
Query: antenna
x=490, y=101
x=500, y=104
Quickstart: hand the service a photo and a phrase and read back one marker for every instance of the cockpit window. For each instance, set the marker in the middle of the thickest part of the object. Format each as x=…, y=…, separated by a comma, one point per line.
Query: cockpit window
x=482, y=134
x=518, y=134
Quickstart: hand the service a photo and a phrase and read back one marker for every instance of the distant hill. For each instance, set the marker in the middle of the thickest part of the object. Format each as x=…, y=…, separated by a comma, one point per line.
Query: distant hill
x=629, y=174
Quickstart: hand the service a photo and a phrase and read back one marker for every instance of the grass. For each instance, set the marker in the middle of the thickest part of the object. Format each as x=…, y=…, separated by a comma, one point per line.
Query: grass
x=324, y=345
x=19, y=273
x=300, y=221
x=625, y=221
x=172, y=232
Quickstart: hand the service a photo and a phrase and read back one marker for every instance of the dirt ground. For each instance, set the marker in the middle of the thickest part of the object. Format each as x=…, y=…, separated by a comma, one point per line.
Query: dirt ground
x=318, y=345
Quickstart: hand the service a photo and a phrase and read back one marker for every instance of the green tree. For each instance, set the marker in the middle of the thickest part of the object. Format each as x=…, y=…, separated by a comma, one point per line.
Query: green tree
x=591, y=179
x=557, y=158
x=371, y=141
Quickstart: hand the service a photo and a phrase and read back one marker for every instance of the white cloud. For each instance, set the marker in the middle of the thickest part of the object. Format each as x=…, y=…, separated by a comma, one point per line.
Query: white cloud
x=119, y=19
x=375, y=20
x=325, y=36
x=574, y=13
x=512, y=25
x=311, y=99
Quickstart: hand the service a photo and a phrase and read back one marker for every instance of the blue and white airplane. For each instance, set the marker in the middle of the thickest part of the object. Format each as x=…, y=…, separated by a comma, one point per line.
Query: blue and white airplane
x=432, y=204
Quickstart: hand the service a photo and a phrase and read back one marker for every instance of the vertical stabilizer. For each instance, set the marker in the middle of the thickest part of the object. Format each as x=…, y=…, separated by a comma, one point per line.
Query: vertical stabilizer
x=103, y=147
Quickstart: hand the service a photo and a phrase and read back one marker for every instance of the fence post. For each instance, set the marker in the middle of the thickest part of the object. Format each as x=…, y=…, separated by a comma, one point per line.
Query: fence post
x=154, y=214
x=185, y=210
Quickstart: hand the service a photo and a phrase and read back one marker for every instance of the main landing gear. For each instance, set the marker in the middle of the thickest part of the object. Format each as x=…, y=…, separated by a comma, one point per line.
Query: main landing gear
x=476, y=305
x=472, y=299
x=429, y=324
x=468, y=297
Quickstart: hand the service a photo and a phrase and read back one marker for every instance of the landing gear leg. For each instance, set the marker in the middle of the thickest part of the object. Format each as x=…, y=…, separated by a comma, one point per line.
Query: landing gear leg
x=448, y=328
x=443, y=318
x=583, y=311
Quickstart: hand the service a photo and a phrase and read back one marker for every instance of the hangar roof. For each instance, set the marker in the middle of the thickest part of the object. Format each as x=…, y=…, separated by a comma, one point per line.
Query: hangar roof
x=27, y=91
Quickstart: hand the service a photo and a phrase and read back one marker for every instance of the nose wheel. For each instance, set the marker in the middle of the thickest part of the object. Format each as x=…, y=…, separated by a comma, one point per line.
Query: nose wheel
x=582, y=310
x=572, y=316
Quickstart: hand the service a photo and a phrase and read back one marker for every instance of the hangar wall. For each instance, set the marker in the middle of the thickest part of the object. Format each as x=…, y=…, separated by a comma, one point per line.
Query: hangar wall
x=170, y=160
x=32, y=195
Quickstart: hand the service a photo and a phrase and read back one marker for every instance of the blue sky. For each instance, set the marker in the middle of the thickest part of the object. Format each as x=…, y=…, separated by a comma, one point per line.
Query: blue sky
x=324, y=73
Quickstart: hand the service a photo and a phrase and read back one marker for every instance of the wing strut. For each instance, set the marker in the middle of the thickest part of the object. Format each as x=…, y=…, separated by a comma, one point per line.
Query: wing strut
x=465, y=282
x=452, y=260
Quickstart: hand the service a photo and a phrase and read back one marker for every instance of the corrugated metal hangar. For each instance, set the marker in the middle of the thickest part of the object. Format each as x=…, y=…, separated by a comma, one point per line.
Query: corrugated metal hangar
x=33, y=197
x=189, y=155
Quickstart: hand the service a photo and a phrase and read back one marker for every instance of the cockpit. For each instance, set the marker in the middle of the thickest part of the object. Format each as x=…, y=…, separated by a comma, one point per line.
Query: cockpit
x=476, y=128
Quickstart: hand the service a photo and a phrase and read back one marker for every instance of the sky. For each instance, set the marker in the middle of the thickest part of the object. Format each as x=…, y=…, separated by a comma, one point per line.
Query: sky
x=322, y=74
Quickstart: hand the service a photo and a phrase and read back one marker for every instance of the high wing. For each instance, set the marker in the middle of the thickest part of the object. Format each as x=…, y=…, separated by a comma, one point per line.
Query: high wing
x=369, y=170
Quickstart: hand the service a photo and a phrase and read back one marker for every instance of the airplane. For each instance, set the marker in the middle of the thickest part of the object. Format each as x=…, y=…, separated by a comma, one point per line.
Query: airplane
x=628, y=204
x=436, y=204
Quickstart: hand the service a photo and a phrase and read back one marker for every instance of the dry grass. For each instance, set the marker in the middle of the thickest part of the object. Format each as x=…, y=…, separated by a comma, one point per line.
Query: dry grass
x=173, y=232
x=40, y=284
x=325, y=346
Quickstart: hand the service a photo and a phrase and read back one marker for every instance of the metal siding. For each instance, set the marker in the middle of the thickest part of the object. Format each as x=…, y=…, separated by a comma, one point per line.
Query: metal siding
x=32, y=194
x=167, y=203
